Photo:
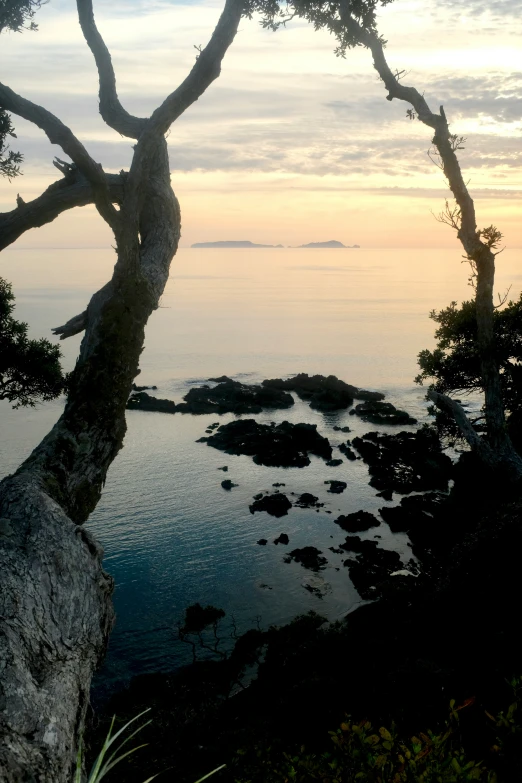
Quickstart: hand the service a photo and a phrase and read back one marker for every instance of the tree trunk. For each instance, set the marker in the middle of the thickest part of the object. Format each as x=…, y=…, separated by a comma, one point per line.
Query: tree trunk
x=55, y=598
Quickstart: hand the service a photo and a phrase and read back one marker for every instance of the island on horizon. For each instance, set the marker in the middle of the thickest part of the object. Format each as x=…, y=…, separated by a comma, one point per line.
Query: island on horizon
x=231, y=243
x=332, y=243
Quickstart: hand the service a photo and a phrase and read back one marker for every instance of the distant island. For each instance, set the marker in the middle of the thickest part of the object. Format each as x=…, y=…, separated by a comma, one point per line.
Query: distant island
x=231, y=243
x=333, y=243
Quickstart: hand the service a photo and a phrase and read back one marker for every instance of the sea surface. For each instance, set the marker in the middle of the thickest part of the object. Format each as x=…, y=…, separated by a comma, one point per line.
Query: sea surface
x=172, y=536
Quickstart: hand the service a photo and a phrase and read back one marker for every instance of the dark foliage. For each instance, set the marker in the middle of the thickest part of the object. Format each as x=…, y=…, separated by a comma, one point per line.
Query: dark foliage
x=30, y=370
x=323, y=15
x=15, y=15
x=454, y=365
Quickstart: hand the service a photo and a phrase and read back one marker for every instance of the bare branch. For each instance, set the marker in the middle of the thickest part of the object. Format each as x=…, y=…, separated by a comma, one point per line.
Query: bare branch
x=60, y=134
x=73, y=191
x=205, y=70
x=110, y=107
x=73, y=326
x=457, y=412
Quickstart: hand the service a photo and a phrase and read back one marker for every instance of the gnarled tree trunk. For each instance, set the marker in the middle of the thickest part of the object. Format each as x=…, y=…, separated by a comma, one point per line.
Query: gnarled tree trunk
x=55, y=598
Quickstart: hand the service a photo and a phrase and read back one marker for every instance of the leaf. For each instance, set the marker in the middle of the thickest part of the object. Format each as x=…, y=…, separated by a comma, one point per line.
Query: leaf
x=385, y=734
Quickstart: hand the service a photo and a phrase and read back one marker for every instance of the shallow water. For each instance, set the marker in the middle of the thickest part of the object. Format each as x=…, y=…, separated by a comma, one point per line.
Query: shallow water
x=172, y=535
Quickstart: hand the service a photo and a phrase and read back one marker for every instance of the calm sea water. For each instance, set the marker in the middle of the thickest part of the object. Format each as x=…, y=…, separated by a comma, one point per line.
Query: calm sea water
x=172, y=535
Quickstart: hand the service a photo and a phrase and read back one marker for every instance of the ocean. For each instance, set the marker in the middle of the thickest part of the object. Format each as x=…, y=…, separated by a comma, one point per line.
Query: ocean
x=172, y=536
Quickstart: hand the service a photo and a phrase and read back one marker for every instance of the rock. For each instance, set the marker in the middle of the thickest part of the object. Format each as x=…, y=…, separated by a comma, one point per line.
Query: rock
x=337, y=551
x=370, y=568
x=386, y=494
x=414, y=512
x=141, y=401
x=227, y=484
x=279, y=484
x=142, y=388
x=406, y=462
x=221, y=379
x=378, y=412
x=355, y=523
x=333, y=463
x=342, y=429
x=309, y=557
x=282, y=539
x=262, y=542
x=323, y=393
x=307, y=500
x=276, y=505
x=356, y=544
x=224, y=467
x=284, y=445
x=233, y=397
x=345, y=449
x=336, y=486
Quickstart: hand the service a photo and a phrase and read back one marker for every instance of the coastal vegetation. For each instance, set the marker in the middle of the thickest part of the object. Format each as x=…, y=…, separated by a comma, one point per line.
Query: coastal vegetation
x=430, y=629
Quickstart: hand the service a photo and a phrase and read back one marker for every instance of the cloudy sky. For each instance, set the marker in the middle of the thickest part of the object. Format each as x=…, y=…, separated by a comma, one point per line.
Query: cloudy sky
x=291, y=144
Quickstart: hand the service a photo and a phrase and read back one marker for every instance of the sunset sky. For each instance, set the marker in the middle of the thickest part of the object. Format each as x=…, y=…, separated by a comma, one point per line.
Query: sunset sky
x=291, y=144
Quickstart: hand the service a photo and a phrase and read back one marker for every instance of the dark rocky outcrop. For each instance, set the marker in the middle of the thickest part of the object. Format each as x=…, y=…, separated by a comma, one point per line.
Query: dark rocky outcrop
x=309, y=556
x=377, y=412
x=227, y=484
x=276, y=505
x=371, y=567
x=342, y=429
x=356, y=544
x=284, y=445
x=228, y=396
x=406, y=462
x=357, y=522
x=142, y=388
x=141, y=401
x=323, y=393
x=262, y=542
x=233, y=397
x=334, y=463
x=348, y=452
x=336, y=487
x=307, y=500
x=282, y=539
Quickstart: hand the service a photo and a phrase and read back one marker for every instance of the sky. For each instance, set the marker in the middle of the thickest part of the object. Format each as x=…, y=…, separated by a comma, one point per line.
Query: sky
x=291, y=144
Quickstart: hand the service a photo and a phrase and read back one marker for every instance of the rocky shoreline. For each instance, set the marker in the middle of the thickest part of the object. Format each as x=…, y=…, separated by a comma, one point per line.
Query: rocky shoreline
x=442, y=628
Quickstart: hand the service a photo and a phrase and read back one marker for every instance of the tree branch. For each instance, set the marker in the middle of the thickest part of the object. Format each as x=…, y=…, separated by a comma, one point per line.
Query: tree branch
x=72, y=191
x=110, y=107
x=455, y=409
x=73, y=326
x=60, y=134
x=205, y=70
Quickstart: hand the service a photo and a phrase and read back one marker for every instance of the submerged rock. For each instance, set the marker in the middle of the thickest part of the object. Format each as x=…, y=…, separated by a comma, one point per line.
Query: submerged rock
x=276, y=505
x=406, y=462
x=285, y=445
x=336, y=486
x=357, y=522
x=262, y=542
x=323, y=393
x=307, y=500
x=333, y=463
x=377, y=412
x=309, y=557
x=227, y=484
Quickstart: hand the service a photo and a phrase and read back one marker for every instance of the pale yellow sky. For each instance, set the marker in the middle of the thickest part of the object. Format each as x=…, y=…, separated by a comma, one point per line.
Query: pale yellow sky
x=290, y=145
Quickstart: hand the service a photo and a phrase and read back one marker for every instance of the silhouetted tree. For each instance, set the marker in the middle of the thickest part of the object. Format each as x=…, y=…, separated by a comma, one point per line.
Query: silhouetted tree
x=55, y=599
x=30, y=370
x=353, y=24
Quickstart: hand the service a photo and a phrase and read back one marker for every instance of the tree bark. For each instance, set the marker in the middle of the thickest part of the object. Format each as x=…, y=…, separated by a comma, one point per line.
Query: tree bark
x=55, y=601
x=500, y=452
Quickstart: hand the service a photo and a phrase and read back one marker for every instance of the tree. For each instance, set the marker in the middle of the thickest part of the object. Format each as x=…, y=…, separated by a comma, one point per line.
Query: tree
x=55, y=603
x=454, y=365
x=353, y=24
x=30, y=370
